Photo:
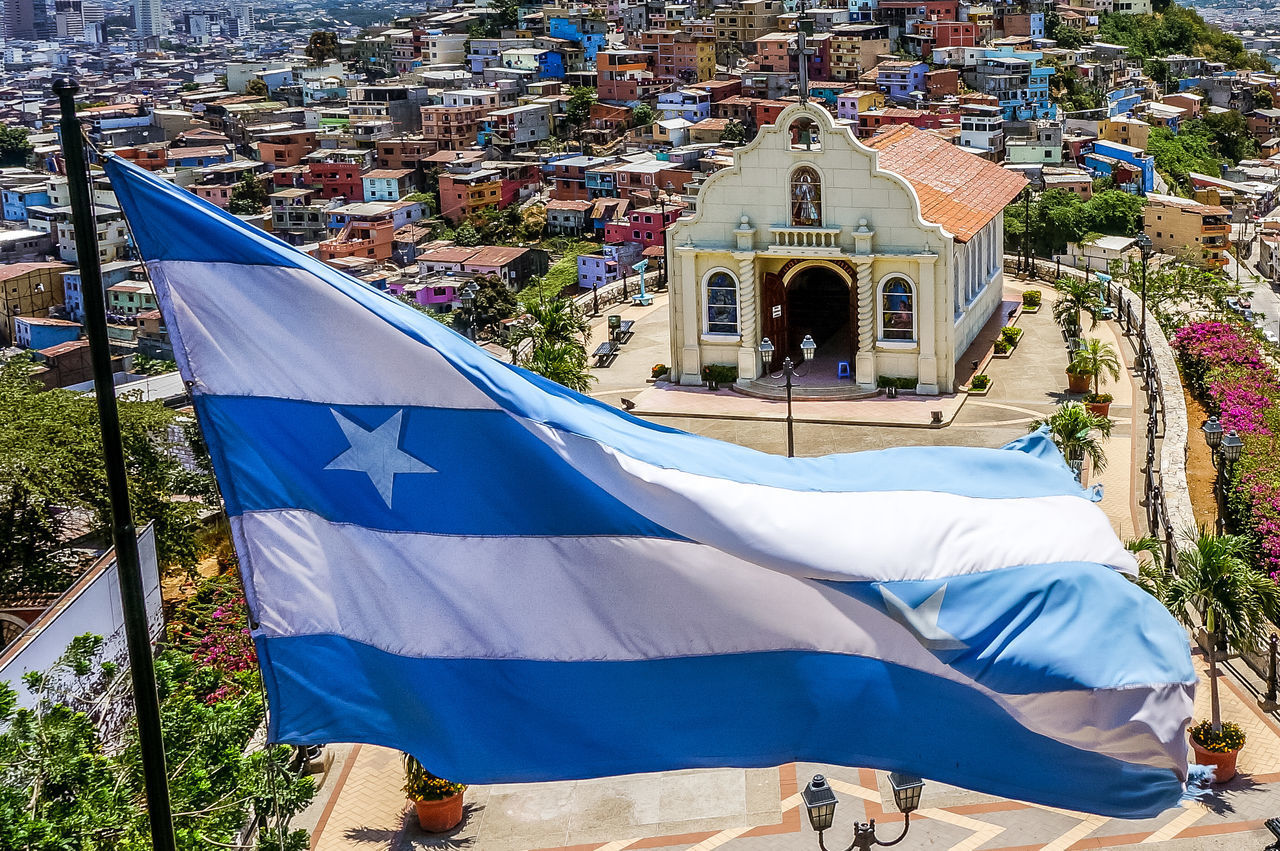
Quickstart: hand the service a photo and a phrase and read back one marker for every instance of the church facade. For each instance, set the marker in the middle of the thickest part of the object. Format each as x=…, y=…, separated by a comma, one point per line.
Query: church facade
x=887, y=254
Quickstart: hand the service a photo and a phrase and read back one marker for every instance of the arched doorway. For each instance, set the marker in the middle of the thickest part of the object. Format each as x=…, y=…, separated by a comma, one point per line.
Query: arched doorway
x=820, y=303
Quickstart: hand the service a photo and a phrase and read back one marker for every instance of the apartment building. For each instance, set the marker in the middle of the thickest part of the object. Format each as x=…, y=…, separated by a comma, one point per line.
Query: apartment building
x=680, y=56
x=30, y=289
x=298, y=216
x=1180, y=226
x=741, y=22
x=856, y=48
x=455, y=123
x=623, y=76
x=287, y=148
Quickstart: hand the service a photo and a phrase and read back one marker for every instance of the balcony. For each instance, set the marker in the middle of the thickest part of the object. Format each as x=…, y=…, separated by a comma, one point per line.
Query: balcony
x=788, y=240
x=1215, y=227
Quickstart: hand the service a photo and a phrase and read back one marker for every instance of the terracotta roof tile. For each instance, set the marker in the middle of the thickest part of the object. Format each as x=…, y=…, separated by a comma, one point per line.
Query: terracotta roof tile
x=957, y=190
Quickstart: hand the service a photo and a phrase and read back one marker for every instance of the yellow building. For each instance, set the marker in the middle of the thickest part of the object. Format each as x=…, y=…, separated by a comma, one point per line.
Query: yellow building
x=1126, y=131
x=740, y=24
x=856, y=48
x=29, y=289
x=1181, y=226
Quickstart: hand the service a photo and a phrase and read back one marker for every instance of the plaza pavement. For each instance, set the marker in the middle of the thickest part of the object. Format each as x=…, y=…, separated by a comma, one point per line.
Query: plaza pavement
x=361, y=805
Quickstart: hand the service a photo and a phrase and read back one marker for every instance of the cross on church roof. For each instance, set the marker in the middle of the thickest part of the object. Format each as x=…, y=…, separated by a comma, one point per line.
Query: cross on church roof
x=803, y=52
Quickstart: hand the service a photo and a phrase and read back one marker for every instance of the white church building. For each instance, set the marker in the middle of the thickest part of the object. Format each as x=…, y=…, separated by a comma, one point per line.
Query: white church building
x=888, y=254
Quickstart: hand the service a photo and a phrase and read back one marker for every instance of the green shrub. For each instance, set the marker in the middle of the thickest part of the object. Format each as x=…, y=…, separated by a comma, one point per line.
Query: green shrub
x=720, y=373
x=1003, y=346
x=1031, y=298
x=1011, y=334
x=884, y=382
x=980, y=382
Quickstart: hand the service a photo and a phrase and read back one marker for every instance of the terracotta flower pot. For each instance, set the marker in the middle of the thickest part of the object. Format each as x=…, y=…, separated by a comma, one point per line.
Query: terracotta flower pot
x=1224, y=764
x=439, y=816
x=1101, y=409
x=1078, y=383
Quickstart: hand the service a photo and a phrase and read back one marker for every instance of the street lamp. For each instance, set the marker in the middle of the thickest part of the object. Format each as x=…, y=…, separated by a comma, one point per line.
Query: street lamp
x=820, y=801
x=468, y=298
x=662, y=203
x=789, y=371
x=1144, y=247
x=1225, y=451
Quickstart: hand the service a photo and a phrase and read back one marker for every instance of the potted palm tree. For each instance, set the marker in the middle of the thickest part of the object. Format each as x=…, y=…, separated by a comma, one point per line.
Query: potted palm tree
x=1078, y=433
x=1094, y=359
x=1213, y=588
x=437, y=801
x=1076, y=297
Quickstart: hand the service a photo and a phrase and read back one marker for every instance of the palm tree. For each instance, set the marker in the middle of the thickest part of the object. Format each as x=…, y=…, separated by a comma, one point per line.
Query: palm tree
x=1077, y=433
x=1214, y=586
x=1075, y=296
x=1094, y=358
x=551, y=341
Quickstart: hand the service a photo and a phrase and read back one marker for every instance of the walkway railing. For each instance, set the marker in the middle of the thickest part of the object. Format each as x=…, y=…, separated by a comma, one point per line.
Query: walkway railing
x=1165, y=497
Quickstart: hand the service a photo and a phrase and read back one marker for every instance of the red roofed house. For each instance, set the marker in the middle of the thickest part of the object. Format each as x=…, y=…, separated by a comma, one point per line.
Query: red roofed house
x=887, y=254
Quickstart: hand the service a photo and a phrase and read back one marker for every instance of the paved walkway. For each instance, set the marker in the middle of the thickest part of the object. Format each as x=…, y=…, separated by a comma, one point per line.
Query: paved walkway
x=361, y=805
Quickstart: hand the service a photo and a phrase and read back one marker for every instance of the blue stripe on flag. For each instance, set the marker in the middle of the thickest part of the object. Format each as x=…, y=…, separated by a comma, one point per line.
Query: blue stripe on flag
x=495, y=474
x=1019, y=630
x=486, y=721
x=493, y=477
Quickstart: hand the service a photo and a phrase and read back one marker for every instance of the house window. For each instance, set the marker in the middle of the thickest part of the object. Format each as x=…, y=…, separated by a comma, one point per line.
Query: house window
x=806, y=198
x=897, y=310
x=722, y=303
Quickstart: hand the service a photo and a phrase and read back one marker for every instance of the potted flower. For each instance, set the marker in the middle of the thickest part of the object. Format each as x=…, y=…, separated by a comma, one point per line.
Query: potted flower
x=1092, y=360
x=980, y=384
x=438, y=801
x=1213, y=588
x=659, y=370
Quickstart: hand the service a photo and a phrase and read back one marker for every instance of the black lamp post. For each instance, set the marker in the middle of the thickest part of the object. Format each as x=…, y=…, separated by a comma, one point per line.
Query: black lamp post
x=1225, y=450
x=662, y=204
x=1144, y=246
x=789, y=371
x=468, y=297
x=820, y=801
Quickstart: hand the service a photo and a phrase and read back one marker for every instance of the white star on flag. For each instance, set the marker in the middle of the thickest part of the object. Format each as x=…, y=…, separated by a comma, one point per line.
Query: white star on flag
x=922, y=620
x=376, y=453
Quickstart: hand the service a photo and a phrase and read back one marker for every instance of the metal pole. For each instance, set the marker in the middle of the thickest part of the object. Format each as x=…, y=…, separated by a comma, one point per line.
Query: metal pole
x=1271, y=669
x=791, y=436
x=123, y=533
x=1142, y=323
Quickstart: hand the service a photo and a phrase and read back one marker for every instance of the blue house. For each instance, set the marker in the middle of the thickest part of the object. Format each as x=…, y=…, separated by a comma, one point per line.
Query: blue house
x=1122, y=101
x=1131, y=167
x=1017, y=80
x=35, y=332
x=197, y=157
x=898, y=78
x=588, y=33
x=17, y=199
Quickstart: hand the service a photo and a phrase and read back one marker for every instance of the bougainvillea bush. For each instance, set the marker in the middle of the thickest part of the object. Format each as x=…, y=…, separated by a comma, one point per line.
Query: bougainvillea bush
x=1224, y=366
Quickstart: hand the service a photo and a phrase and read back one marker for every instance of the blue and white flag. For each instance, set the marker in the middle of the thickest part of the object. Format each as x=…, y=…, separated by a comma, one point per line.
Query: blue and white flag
x=451, y=556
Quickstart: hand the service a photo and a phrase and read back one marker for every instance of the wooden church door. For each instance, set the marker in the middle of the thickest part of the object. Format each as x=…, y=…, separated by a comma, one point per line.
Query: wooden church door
x=773, y=302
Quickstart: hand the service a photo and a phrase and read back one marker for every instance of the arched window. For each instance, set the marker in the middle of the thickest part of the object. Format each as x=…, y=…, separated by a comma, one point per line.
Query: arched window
x=722, y=304
x=806, y=198
x=897, y=311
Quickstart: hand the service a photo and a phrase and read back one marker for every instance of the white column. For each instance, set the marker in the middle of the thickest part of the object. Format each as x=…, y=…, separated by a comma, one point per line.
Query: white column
x=748, y=317
x=865, y=362
x=690, y=331
x=926, y=327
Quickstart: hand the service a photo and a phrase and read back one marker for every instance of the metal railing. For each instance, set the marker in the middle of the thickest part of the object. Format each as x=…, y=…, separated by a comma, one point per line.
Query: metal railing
x=1128, y=315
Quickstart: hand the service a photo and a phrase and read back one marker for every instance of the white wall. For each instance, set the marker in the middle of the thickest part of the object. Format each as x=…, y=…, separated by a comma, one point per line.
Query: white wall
x=91, y=606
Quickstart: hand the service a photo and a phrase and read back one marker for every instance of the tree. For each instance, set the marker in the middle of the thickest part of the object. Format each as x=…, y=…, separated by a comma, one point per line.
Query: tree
x=1096, y=358
x=1213, y=586
x=322, y=45
x=1078, y=434
x=14, y=146
x=578, y=108
x=1066, y=36
x=256, y=87
x=642, y=115
x=551, y=341
x=1178, y=292
x=466, y=235
x=1076, y=296
x=734, y=133
x=50, y=454
x=1263, y=99
x=248, y=197
x=494, y=302
x=1059, y=217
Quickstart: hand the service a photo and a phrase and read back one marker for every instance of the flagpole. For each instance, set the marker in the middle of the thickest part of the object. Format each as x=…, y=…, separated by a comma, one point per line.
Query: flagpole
x=123, y=533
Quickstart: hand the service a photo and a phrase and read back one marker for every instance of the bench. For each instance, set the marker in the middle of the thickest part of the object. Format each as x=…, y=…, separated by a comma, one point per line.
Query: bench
x=605, y=353
x=623, y=331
